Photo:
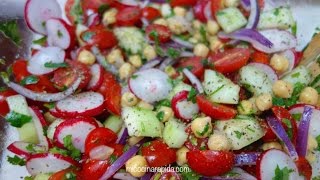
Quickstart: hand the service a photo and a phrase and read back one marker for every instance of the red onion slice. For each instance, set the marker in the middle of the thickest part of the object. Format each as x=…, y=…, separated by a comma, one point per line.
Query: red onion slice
x=183, y=43
x=101, y=152
x=44, y=97
x=194, y=80
x=246, y=158
x=102, y=61
x=165, y=63
x=254, y=15
x=207, y=11
x=122, y=137
x=245, y=4
x=150, y=64
x=303, y=131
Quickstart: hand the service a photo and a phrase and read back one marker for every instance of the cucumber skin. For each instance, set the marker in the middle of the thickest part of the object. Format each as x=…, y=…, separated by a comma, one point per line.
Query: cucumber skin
x=114, y=123
x=174, y=134
x=131, y=39
x=278, y=18
x=231, y=19
x=299, y=74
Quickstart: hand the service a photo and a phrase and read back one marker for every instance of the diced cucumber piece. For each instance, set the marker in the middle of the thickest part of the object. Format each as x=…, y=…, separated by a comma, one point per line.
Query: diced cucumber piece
x=279, y=18
x=231, y=19
x=18, y=104
x=166, y=10
x=42, y=177
x=220, y=89
x=141, y=122
x=52, y=128
x=131, y=39
x=255, y=80
x=181, y=86
x=114, y=123
x=241, y=132
x=174, y=134
x=299, y=74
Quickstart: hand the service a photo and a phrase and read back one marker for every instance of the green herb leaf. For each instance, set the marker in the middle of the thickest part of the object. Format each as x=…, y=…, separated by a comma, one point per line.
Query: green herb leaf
x=289, y=126
x=134, y=76
x=103, y=8
x=282, y=174
x=15, y=160
x=160, y=115
x=4, y=76
x=67, y=142
x=238, y=134
x=17, y=120
x=164, y=102
x=112, y=158
x=276, y=11
x=30, y=148
x=56, y=150
x=192, y=95
x=316, y=178
x=55, y=65
x=32, y=79
x=296, y=117
x=190, y=175
x=77, y=12
x=287, y=102
x=155, y=36
x=10, y=30
x=42, y=41
x=49, y=105
x=2, y=61
x=28, y=178
x=70, y=176
x=173, y=53
x=318, y=140
x=294, y=28
x=205, y=130
x=203, y=34
x=217, y=90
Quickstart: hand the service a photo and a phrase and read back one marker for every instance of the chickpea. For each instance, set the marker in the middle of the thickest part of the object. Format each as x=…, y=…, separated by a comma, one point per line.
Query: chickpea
x=218, y=141
x=179, y=11
x=282, y=89
x=231, y=3
x=279, y=63
x=201, y=127
x=201, y=50
x=197, y=36
x=161, y=21
x=271, y=145
x=182, y=155
x=215, y=43
x=136, y=166
x=264, y=102
x=115, y=57
x=149, y=52
x=133, y=140
x=212, y=27
x=170, y=71
x=129, y=99
x=126, y=70
x=109, y=17
x=145, y=105
x=245, y=107
x=309, y=96
x=167, y=113
x=177, y=25
x=135, y=60
x=86, y=57
x=312, y=143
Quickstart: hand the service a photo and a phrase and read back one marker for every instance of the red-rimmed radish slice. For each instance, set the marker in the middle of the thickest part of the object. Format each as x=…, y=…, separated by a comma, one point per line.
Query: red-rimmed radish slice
x=271, y=73
x=60, y=34
x=39, y=123
x=182, y=108
x=96, y=80
x=291, y=56
x=281, y=40
x=101, y=152
x=150, y=85
x=52, y=128
x=93, y=19
x=48, y=163
x=78, y=128
x=20, y=148
x=37, y=12
x=45, y=55
x=82, y=104
x=57, y=114
x=272, y=159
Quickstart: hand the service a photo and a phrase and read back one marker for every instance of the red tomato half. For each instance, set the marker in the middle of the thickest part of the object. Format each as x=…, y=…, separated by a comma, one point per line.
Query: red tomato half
x=199, y=10
x=183, y=2
x=210, y=163
x=230, y=60
x=99, y=136
x=158, y=154
x=128, y=16
x=94, y=169
x=163, y=32
x=215, y=111
x=260, y=57
x=4, y=110
x=194, y=64
x=100, y=36
x=150, y=13
x=95, y=4
x=304, y=167
x=216, y=5
x=269, y=136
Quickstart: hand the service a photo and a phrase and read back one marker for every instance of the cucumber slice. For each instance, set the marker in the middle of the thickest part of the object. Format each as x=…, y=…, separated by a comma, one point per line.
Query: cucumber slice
x=42, y=177
x=255, y=80
x=241, y=132
x=174, y=134
x=114, y=123
x=181, y=86
x=231, y=19
x=220, y=89
x=131, y=39
x=278, y=18
x=141, y=122
x=300, y=74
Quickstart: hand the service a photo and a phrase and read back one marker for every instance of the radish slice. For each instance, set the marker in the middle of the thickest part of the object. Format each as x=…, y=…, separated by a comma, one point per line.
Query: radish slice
x=182, y=108
x=272, y=159
x=271, y=73
x=78, y=128
x=52, y=128
x=37, y=12
x=60, y=34
x=281, y=40
x=45, y=55
x=48, y=163
x=82, y=104
x=96, y=80
x=20, y=148
x=93, y=19
x=101, y=152
x=291, y=56
x=150, y=85
x=39, y=123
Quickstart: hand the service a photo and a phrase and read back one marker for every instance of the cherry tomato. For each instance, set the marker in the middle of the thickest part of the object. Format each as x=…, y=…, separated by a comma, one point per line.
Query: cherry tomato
x=163, y=32
x=100, y=36
x=194, y=143
x=304, y=167
x=194, y=64
x=298, y=57
x=118, y=149
x=95, y=4
x=260, y=57
x=199, y=10
x=210, y=163
x=128, y=16
x=4, y=110
x=174, y=3
x=61, y=175
x=150, y=13
x=216, y=5
x=269, y=135
x=158, y=154
x=72, y=8
x=94, y=169
x=230, y=60
x=99, y=136
x=215, y=111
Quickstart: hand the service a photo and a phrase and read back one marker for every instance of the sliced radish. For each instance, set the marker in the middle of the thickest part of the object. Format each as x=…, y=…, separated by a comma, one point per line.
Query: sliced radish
x=37, y=12
x=271, y=73
x=150, y=85
x=60, y=34
x=96, y=80
x=20, y=148
x=48, y=163
x=78, y=128
x=57, y=114
x=291, y=56
x=82, y=104
x=269, y=161
x=101, y=152
x=39, y=123
x=45, y=55
x=182, y=108
x=93, y=19
x=281, y=40
x=52, y=128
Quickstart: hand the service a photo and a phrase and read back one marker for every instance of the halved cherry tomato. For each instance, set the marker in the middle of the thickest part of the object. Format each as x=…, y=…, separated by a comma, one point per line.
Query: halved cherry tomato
x=194, y=143
x=163, y=32
x=95, y=4
x=61, y=175
x=150, y=13
x=158, y=154
x=100, y=36
x=215, y=111
x=216, y=5
x=128, y=16
x=4, y=110
x=118, y=149
x=210, y=163
x=99, y=136
x=174, y=3
x=194, y=64
x=199, y=10
x=230, y=60
x=94, y=169
x=304, y=167
x=260, y=57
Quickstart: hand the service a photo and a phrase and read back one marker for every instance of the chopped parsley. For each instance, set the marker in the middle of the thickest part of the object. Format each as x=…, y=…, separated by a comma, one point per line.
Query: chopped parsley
x=59, y=34
x=205, y=130
x=11, y=31
x=207, y=63
x=4, y=76
x=17, y=119
x=276, y=11
x=70, y=176
x=32, y=79
x=164, y=102
x=160, y=115
x=113, y=158
x=295, y=75
x=203, y=34
x=287, y=102
x=77, y=12
x=318, y=141
x=42, y=41
x=30, y=148
x=296, y=117
x=67, y=142
x=55, y=65
x=49, y=105
x=56, y=150
x=2, y=61
x=294, y=29
x=15, y=160
x=282, y=174
x=173, y=53
x=289, y=126
x=238, y=134
x=134, y=76
x=192, y=95
x=155, y=36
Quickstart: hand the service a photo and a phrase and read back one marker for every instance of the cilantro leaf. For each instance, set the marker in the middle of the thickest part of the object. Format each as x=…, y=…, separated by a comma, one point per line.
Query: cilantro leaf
x=30, y=148
x=42, y=41
x=204, y=131
x=294, y=29
x=160, y=115
x=112, y=158
x=238, y=134
x=17, y=120
x=192, y=95
x=70, y=176
x=282, y=174
x=67, y=142
x=164, y=102
x=15, y=160
x=56, y=150
x=10, y=30
x=77, y=12
x=287, y=102
x=32, y=79
x=173, y=53
x=55, y=65
x=203, y=34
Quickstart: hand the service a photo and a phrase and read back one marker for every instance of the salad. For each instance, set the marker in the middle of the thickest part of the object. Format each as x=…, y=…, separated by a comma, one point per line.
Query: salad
x=155, y=89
